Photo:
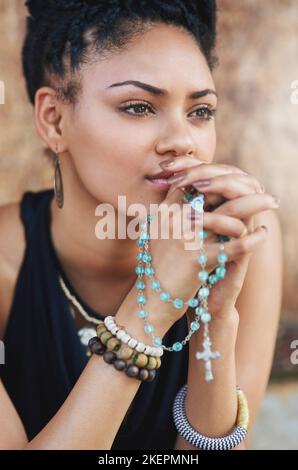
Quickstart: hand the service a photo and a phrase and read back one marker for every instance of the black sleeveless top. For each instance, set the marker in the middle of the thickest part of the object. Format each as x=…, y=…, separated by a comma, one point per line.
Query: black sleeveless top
x=44, y=356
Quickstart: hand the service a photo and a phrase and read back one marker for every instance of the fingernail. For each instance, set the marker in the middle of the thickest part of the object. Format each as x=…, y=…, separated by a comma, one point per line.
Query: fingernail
x=167, y=163
x=176, y=178
x=201, y=183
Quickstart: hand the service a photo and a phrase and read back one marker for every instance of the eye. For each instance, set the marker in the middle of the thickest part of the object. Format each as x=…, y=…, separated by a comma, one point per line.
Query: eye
x=139, y=108
x=205, y=113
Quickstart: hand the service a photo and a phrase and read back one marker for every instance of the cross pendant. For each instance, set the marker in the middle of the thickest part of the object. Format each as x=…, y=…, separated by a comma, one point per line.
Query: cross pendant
x=206, y=355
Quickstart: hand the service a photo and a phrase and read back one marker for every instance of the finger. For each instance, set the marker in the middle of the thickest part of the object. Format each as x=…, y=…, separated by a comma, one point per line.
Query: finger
x=199, y=172
x=180, y=163
x=183, y=163
x=247, y=206
x=230, y=186
x=221, y=224
x=235, y=248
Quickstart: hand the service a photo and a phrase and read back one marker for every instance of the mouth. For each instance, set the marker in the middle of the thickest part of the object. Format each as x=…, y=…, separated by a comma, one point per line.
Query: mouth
x=160, y=180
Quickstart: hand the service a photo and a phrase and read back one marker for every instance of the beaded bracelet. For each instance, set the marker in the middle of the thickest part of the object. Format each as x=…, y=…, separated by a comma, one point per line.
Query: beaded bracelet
x=211, y=443
x=126, y=352
x=124, y=358
x=122, y=335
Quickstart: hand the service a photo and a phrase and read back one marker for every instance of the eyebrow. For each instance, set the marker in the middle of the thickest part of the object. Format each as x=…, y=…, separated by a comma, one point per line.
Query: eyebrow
x=160, y=91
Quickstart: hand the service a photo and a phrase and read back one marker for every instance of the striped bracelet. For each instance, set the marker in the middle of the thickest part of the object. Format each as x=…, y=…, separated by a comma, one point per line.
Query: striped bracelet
x=200, y=441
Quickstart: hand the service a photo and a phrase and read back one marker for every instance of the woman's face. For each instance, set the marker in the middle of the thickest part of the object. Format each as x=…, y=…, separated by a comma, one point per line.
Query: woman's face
x=118, y=135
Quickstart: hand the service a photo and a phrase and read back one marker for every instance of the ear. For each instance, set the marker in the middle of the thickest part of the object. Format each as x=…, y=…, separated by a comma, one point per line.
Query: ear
x=49, y=118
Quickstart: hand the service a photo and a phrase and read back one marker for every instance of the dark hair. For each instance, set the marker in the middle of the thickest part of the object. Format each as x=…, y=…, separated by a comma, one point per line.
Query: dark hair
x=61, y=34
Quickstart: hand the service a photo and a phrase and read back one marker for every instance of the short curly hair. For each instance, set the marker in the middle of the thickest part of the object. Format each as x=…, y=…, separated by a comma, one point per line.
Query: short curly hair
x=62, y=33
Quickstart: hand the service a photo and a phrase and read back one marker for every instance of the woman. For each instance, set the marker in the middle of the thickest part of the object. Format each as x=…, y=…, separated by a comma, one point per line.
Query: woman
x=123, y=93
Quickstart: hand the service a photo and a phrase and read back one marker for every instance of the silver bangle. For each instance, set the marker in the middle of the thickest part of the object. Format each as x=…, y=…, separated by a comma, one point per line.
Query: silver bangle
x=198, y=440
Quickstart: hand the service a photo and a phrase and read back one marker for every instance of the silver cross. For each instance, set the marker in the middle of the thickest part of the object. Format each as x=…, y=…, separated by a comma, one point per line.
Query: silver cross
x=207, y=355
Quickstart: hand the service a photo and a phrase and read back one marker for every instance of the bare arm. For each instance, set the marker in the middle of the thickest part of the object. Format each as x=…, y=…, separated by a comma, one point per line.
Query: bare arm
x=94, y=410
x=247, y=348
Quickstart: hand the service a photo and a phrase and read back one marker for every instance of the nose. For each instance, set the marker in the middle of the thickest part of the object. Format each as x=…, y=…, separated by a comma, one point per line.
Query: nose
x=177, y=142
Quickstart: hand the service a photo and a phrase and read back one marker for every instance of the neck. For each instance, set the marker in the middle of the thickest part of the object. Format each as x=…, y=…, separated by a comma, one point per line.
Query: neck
x=102, y=271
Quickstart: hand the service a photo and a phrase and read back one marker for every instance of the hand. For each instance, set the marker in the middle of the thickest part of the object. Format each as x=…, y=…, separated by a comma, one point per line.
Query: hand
x=238, y=197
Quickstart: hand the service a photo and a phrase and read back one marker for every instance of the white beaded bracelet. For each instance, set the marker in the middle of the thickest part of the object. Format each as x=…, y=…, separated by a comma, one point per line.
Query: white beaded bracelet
x=123, y=336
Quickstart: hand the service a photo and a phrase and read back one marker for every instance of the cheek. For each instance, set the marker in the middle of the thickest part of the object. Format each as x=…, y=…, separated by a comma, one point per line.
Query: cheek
x=207, y=144
x=106, y=159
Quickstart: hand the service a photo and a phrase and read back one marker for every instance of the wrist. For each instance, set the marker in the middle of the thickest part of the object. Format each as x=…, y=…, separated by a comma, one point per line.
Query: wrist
x=229, y=316
x=127, y=316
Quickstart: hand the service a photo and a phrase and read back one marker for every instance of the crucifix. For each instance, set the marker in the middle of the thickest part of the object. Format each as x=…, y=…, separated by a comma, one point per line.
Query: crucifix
x=206, y=356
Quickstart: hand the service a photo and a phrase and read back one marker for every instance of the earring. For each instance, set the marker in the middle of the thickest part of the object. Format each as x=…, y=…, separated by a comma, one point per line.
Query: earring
x=58, y=182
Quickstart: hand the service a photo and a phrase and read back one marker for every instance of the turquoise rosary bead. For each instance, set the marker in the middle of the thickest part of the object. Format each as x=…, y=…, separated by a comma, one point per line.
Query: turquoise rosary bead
x=203, y=234
x=206, y=317
x=223, y=238
x=157, y=341
x=222, y=257
x=212, y=279
x=141, y=300
x=149, y=329
x=203, y=276
x=202, y=259
x=143, y=314
x=220, y=272
x=200, y=310
x=187, y=197
x=177, y=346
x=203, y=292
x=194, y=325
x=149, y=271
x=155, y=285
x=193, y=302
x=140, y=285
x=178, y=303
x=165, y=296
x=140, y=270
x=147, y=257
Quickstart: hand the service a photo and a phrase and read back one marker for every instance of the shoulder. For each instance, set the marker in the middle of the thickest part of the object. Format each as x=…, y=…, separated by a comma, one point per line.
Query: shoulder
x=12, y=247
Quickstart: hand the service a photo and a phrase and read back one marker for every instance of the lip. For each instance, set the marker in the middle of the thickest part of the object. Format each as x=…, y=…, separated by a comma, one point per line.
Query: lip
x=161, y=175
x=159, y=184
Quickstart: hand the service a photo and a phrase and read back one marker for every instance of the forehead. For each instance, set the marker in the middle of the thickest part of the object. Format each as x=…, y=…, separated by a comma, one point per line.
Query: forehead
x=164, y=55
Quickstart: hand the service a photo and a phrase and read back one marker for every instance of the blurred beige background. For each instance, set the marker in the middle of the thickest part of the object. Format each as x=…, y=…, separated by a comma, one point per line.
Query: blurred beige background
x=257, y=130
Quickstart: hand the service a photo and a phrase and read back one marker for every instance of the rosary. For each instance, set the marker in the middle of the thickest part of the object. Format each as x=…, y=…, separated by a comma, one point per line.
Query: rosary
x=200, y=303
